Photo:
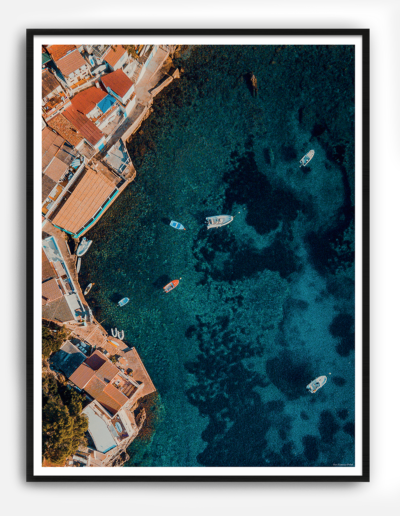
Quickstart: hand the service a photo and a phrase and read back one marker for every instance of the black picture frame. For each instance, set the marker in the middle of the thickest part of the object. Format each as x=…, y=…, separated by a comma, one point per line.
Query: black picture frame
x=30, y=323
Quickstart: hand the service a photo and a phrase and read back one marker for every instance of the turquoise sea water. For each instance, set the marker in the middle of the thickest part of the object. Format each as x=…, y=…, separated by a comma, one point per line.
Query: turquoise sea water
x=264, y=305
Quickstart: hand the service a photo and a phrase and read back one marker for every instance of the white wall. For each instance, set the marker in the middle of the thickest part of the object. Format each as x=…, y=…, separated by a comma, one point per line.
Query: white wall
x=120, y=62
x=130, y=105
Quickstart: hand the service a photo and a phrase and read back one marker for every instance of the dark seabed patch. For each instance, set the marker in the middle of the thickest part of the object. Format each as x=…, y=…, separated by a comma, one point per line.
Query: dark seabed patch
x=289, y=374
x=328, y=427
x=349, y=428
x=343, y=414
x=342, y=327
x=311, y=448
x=339, y=381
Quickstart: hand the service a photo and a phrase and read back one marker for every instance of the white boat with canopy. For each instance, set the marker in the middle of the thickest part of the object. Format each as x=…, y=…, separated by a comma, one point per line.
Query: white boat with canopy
x=317, y=384
x=305, y=160
x=218, y=220
x=83, y=246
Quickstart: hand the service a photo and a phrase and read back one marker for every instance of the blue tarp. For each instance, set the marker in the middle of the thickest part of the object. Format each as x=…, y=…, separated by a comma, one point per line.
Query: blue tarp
x=105, y=104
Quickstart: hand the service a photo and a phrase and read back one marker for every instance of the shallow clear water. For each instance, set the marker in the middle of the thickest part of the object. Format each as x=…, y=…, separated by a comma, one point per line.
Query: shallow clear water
x=265, y=304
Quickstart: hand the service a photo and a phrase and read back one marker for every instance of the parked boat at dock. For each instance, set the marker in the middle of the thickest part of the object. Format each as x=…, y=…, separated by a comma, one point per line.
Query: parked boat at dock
x=218, y=220
x=88, y=288
x=305, y=160
x=176, y=225
x=78, y=265
x=117, y=334
x=317, y=384
x=171, y=286
x=83, y=246
x=124, y=301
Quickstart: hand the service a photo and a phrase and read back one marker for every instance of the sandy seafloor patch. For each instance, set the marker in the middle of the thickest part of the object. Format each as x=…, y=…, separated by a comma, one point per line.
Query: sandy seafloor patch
x=266, y=304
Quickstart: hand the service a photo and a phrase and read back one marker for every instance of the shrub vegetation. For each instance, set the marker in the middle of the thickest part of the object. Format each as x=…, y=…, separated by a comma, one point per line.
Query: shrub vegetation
x=63, y=428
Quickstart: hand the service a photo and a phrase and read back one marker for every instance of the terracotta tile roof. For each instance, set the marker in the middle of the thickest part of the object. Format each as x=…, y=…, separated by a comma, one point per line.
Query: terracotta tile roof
x=96, y=360
x=64, y=128
x=59, y=51
x=89, y=195
x=116, y=394
x=47, y=268
x=107, y=371
x=82, y=124
x=94, y=387
x=56, y=169
x=82, y=375
x=49, y=83
x=70, y=63
x=88, y=99
x=108, y=403
x=114, y=55
x=51, y=144
x=118, y=81
x=58, y=310
x=47, y=186
x=51, y=291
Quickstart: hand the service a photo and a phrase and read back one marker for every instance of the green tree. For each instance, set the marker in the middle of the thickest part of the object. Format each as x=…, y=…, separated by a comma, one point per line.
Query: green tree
x=63, y=428
x=53, y=340
x=114, y=358
x=132, y=50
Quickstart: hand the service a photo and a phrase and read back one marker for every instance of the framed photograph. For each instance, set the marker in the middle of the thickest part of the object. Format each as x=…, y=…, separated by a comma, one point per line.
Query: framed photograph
x=202, y=254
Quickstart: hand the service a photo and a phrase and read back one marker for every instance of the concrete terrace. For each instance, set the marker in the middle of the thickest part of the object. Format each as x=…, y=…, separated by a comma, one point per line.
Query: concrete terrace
x=70, y=259
x=158, y=68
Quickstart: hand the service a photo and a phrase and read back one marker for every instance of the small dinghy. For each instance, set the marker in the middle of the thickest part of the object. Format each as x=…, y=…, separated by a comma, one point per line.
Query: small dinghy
x=253, y=82
x=123, y=301
x=83, y=246
x=218, y=220
x=171, y=286
x=114, y=332
x=78, y=265
x=121, y=335
x=176, y=225
x=305, y=160
x=88, y=288
x=317, y=384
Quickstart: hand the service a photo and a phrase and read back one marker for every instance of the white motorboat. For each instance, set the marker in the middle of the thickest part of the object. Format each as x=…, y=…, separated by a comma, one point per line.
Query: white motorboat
x=176, y=225
x=317, y=384
x=83, y=246
x=124, y=301
x=88, y=288
x=171, y=285
x=114, y=332
x=78, y=265
x=305, y=160
x=121, y=335
x=218, y=220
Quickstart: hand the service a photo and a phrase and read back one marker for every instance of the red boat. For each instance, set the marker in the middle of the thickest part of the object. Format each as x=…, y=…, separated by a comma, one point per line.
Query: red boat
x=171, y=285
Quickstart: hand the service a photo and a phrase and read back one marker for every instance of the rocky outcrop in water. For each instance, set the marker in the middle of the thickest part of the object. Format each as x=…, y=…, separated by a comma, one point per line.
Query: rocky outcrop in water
x=120, y=460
